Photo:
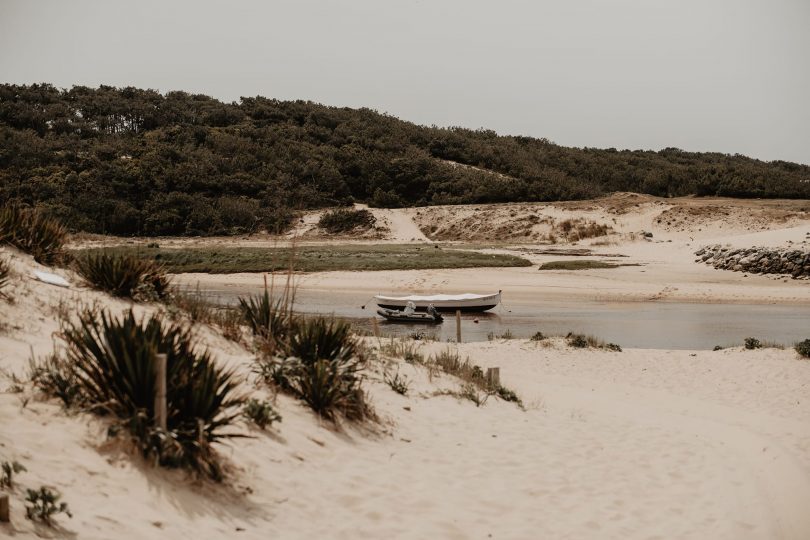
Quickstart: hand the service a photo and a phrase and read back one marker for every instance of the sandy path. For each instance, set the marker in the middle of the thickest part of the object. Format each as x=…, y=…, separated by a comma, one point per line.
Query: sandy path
x=400, y=223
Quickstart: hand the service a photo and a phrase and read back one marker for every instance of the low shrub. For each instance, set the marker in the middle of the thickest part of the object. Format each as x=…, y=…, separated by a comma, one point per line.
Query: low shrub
x=43, y=503
x=114, y=363
x=7, y=471
x=752, y=343
x=538, y=336
x=319, y=362
x=123, y=275
x=718, y=348
x=409, y=352
x=261, y=413
x=803, y=348
x=581, y=341
x=474, y=393
x=578, y=341
x=507, y=394
x=399, y=384
x=346, y=220
x=53, y=376
x=33, y=232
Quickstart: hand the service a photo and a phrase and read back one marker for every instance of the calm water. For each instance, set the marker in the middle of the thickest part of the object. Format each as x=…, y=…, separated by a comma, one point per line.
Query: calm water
x=631, y=324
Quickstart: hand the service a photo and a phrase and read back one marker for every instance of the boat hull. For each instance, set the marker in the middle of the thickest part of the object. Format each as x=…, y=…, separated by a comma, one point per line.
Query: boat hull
x=441, y=308
x=442, y=302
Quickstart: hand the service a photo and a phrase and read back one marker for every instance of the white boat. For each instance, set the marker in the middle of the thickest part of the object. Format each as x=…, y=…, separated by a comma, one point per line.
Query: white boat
x=442, y=302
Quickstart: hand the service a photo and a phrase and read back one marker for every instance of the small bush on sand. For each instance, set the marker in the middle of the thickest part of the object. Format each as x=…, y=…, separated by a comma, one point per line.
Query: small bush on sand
x=319, y=361
x=507, y=394
x=581, y=341
x=261, y=413
x=124, y=275
x=752, y=343
x=33, y=232
x=398, y=383
x=803, y=348
x=346, y=220
x=54, y=376
x=449, y=361
x=7, y=471
x=43, y=503
x=538, y=336
x=578, y=341
x=114, y=363
x=408, y=351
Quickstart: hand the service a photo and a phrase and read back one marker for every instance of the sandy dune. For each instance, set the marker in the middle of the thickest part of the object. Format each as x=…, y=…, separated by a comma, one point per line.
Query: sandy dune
x=639, y=444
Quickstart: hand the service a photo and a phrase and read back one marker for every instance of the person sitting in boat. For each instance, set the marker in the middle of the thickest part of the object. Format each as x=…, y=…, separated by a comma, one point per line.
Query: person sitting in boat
x=433, y=312
x=410, y=308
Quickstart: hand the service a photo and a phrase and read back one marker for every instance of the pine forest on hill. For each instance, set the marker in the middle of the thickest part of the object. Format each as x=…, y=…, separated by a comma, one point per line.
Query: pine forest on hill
x=126, y=161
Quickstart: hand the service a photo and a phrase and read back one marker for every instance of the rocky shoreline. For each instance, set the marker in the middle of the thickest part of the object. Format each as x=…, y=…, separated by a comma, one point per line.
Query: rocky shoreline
x=757, y=260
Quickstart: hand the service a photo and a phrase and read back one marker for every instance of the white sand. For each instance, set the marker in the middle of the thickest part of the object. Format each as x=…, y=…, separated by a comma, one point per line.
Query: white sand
x=640, y=444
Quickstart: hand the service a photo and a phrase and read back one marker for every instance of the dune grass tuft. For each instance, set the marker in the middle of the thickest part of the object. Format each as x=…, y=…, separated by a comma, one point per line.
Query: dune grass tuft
x=123, y=275
x=33, y=232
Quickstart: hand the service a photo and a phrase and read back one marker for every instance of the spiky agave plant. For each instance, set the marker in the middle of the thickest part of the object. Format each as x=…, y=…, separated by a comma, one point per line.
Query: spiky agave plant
x=114, y=363
x=5, y=274
x=123, y=275
x=320, y=338
x=33, y=232
x=268, y=318
x=323, y=367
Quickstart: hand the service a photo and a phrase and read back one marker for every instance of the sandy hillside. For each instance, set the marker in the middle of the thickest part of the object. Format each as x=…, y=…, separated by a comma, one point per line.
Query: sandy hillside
x=626, y=445
x=658, y=267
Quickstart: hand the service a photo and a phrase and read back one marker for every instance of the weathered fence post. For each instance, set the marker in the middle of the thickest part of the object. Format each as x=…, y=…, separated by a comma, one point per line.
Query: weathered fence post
x=458, y=326
x=493, y=377
x=4, y=509
x=161, y=411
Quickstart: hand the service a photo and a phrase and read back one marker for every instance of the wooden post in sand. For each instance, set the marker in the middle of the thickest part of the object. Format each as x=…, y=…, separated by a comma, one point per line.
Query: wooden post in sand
x=161, y=411
x=4, y=509
x=493, y=377
x=458, y=326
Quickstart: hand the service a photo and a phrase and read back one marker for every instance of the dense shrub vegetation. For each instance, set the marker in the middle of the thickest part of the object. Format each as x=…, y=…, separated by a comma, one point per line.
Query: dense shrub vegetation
x=803, y=348
x=345, y=220
x=135, y=162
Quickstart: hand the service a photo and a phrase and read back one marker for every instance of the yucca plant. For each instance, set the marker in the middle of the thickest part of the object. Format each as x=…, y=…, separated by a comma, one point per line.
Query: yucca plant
x=269, y=319
x=33, y=232
x=330, y=387
x=5, y=274
x=114, y=363
x=320, y=338
x=123, y=275
x=319, y=362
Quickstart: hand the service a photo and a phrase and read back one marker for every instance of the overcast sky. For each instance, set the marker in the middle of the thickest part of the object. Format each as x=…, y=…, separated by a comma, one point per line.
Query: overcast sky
x=722, y=75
